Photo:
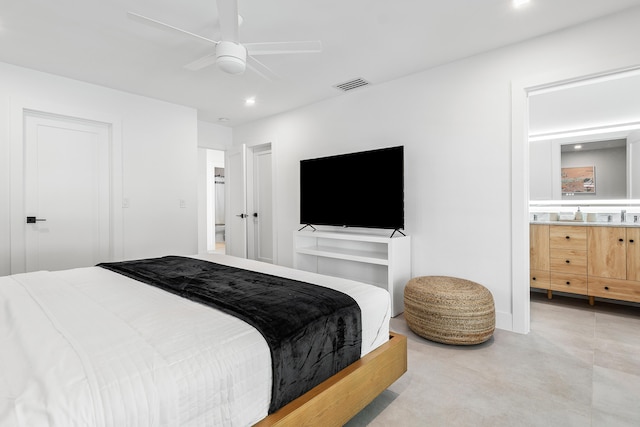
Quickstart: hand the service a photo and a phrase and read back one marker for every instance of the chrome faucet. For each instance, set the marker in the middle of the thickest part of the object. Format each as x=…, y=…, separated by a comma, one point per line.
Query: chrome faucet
x=623, y=215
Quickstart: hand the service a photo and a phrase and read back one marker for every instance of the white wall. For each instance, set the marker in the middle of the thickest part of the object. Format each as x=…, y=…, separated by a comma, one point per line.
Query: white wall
x=159, y=152
x=455, y=124
x=213, y=136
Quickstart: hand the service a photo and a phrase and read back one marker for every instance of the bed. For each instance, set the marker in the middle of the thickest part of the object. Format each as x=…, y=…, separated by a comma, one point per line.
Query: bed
x=89, y=346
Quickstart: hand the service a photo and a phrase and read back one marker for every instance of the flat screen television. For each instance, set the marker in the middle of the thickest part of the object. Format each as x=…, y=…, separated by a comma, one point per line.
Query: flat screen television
x=363, y=189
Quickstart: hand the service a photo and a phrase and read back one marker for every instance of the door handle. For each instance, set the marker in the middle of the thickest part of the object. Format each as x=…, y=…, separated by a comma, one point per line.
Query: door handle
x=33, y=219
x=242, y=215
x=255, y=214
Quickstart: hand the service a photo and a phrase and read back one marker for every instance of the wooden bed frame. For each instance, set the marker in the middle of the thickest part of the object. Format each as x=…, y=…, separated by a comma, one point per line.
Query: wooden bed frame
x=339, y=398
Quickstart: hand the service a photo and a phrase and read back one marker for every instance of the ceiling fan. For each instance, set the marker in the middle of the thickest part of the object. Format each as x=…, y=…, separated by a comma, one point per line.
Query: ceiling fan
x=230, y=55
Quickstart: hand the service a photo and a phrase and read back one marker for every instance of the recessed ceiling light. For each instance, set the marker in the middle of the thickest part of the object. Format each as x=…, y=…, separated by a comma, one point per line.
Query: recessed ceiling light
x=577, y=147
x=520, y=3
x=249, y=101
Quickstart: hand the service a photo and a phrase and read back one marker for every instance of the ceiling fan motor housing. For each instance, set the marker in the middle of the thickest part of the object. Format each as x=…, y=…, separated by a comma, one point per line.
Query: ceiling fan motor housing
x=231, y=57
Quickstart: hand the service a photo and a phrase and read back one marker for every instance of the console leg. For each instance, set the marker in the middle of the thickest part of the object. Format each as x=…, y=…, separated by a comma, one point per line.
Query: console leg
x=549, y=293
x=592, y=300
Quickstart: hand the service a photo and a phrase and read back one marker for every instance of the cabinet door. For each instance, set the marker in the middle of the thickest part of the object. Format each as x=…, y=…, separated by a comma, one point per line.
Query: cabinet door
x=633, y=254
x=607, y=253
x=539, y=247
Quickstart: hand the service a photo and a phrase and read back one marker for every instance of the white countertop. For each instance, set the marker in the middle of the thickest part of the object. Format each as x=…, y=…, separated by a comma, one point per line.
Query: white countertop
x=589, y=223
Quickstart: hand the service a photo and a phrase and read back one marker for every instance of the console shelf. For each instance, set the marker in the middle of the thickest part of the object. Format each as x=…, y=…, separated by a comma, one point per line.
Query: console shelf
x=346, y=254
x=378, y=260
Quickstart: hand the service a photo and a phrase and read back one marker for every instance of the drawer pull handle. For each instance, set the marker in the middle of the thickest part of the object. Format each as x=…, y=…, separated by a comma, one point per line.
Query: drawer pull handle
x=630, y=240
x=568, y=283
x=620, y=240
x=568, y=262
x=534, y=278
x=567, y=237
x=606, y=288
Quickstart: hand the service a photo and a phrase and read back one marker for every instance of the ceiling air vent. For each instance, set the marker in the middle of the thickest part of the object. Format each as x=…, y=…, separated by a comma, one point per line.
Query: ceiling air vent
x=352, y=84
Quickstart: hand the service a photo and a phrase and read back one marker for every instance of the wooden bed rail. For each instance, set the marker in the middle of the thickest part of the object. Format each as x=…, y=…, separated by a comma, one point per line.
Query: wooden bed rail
x=339, y=398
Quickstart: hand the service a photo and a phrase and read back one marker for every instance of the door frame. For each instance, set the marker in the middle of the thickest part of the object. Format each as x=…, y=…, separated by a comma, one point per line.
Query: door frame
x=520, y=90
x=95, y=210
x=212, y=194
x=17, y=109
x=248, y=148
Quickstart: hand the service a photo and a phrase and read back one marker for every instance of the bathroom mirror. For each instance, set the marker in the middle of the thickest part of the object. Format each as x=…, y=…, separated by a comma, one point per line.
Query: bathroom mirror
x=600, y=116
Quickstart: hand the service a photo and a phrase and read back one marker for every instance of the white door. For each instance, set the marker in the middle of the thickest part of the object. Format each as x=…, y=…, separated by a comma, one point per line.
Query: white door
x=236, y=205
x=260, y=224
x=249, y=219
x=66, y=192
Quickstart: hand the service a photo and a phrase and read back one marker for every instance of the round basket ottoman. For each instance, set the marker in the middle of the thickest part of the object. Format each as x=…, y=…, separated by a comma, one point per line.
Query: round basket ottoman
x=449, y=310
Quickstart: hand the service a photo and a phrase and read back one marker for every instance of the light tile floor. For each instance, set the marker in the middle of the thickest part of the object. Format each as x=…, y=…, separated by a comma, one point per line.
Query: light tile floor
x=579, y=366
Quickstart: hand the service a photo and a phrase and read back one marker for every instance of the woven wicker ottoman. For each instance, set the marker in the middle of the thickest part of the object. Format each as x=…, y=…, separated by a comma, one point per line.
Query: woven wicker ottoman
x=449, y=310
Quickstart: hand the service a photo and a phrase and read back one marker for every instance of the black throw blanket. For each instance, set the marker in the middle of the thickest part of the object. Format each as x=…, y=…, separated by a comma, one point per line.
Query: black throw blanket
x=312, y=331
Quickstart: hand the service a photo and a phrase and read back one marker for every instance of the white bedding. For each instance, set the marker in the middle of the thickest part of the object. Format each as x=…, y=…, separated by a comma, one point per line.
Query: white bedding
x=89, y=347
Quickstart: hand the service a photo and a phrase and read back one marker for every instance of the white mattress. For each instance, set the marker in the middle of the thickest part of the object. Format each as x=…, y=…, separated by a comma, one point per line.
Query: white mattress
x=89, y=347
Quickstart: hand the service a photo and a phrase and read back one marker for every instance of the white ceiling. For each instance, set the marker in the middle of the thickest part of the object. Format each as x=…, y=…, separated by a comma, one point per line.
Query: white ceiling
x=95, y=41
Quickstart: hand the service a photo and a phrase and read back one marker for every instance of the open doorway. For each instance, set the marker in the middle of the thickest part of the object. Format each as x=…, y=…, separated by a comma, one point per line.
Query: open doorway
x=526, y=130
x=216, y=212
x=218, y=204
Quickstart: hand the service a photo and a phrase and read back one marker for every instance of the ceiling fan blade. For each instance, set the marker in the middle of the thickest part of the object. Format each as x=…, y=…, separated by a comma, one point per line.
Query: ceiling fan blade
x=163, y=26
x=260, y=69
x=274, y=48
x=201, y=63
x=228, y=18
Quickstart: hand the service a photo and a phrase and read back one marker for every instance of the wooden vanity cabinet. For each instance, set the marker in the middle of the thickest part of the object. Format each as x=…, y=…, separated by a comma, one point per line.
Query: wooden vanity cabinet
x=598, y=261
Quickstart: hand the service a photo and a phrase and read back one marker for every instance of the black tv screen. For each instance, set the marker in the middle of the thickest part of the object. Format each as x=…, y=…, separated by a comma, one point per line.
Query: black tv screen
x=364, y=189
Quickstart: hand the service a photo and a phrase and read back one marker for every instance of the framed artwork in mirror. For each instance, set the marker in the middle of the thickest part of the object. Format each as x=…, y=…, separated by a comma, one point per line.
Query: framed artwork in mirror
x=579, y=180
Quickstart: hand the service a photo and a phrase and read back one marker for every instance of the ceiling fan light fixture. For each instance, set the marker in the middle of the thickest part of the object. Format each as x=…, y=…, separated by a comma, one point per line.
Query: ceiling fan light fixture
x=231, y=65
x=231, y=57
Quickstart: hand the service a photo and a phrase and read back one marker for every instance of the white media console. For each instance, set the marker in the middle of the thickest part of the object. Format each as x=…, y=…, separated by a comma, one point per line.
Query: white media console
x=378, y=260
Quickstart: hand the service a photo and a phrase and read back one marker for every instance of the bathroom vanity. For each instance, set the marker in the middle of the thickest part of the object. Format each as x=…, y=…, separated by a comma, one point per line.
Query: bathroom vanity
x=596, y=259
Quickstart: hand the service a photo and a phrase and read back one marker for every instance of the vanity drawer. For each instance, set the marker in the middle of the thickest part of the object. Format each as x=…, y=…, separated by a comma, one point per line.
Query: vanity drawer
x=539, y=279
x=568, y=237
x=568, y=261
x=573, y=283
x=626, y=290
